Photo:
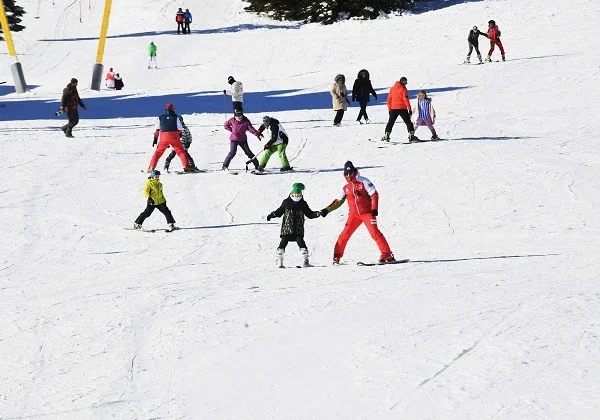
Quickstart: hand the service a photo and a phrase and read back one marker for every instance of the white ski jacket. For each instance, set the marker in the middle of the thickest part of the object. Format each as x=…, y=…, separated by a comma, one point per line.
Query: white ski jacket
x=236, y=91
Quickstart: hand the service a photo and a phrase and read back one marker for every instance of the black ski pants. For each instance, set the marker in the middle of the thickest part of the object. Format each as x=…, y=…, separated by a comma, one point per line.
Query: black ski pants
x=180, y=27
x=363, y=110
x=285, y=239
x=339, y=114
x=73, y=116
x=403, y=113
x=186, y=146
x=476, y=46
x=150, y=208
x=186, y=27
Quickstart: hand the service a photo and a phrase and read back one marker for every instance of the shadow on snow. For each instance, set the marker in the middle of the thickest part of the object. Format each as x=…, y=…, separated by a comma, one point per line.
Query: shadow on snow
x=495, y=257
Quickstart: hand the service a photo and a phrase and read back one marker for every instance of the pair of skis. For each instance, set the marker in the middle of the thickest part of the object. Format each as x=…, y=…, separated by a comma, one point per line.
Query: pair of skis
x=151, y=230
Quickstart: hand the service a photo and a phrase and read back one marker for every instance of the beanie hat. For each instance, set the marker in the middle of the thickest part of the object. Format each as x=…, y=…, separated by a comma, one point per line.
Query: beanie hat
x=297, y=188
x=266, y=119
x=74, y=81
x=154, y=173
x=169, y=106
x=230, y=80
x=349, y=168
x=403, y=79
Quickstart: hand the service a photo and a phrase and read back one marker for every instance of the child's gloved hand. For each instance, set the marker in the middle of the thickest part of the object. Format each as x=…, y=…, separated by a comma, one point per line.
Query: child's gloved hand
x=269, y=217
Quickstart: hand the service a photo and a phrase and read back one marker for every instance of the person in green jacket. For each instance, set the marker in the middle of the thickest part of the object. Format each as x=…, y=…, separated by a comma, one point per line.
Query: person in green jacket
x=152, y=55
x=153, y=191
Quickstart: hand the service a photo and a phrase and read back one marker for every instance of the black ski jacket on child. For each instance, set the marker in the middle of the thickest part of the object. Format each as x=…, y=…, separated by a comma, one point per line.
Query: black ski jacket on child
x=474, y=37
x=293, y=213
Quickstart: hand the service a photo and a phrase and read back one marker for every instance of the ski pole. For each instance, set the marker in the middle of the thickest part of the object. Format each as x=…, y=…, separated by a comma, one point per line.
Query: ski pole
x=224, y=105
x=252, y=158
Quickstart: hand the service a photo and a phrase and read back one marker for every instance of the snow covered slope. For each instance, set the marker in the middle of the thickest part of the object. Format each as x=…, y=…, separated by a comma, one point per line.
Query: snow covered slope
x=496, y=315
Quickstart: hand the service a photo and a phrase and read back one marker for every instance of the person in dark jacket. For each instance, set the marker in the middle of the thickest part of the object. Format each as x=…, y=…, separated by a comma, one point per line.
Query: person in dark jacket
x=70, y=104
x=187, y=19
x=361, y=92
x=473, y=40
x=278, y=141
x=179, y=19
x=293, y=209
x=119, y=82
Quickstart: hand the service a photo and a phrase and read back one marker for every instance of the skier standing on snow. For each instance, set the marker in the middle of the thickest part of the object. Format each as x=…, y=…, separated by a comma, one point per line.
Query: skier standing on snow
x=153, y=191
x=238, y=126
x=399, y=106
x=119, y=82
x=70, y=103
x=473, y=40
x=187, y=19
x=110, y=79
x=168, y=129
x=277, y=143
x=236, y=92
x=339, y=97
x=363, y=201
x=186, y=140
x=493, y=34
x=293, y=209
x=425, y=114
x=361, y=91
x=179, y=19
x=152, y=54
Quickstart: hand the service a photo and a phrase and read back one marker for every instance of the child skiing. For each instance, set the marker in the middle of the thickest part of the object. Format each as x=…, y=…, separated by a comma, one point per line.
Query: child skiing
x=293, y=209
x=238, y=125
x=493, y=34
x=153, y=191
x=152, y=54
x=186, y=140
x=277, y=143
x=473, y=40
x=425, y=114
x=363, y=201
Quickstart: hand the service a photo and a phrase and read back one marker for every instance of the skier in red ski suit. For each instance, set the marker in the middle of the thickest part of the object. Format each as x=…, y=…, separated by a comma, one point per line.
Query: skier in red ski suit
x=493, y=34
x=363, y=201
x=168, y=129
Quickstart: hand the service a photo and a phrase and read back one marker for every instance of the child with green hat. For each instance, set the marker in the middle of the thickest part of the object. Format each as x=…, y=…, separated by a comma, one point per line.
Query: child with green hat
x=293, y=209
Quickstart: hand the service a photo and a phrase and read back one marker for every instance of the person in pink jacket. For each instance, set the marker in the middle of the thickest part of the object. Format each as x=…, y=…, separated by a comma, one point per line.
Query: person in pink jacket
x=238, y=126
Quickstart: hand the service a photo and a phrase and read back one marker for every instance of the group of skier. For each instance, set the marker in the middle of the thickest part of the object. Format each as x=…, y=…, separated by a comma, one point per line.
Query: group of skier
x=493, y=34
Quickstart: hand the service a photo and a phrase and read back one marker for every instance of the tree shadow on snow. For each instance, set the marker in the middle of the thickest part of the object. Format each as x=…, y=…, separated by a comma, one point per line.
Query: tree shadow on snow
x=229, y=29
x=428, y=6
x=132, y=106
x=495, y=257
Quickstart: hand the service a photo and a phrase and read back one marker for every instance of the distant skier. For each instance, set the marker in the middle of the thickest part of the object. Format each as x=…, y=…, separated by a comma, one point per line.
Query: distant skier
x=363, y=202
x=399, y=106
x=187, y=19
x=493, y=34
x=152, y=54
x=168, y=129
x=361, y=92
x=293, y=209
x=339, y=98
x=119, y=82
x=425, y=114
x=186, y=140
x=238, y=126
x=278, y=141
x=473, y=40
x=236, y=92
x=179, y=17
x=110, y=79
x=70, y=103
x=153, y=191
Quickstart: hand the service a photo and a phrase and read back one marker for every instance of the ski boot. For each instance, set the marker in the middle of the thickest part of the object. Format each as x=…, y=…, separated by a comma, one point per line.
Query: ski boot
x=337, y=124
x=503, y=57
x=488, y=59
x=336, y=261
x=167, y=166
x=367, y=121
x=480, y=60
x=386, y=137
x=305, y=262
x=386, y=259
x=360, y=122
x=170, y=227
x=412, y=138
x=279, y=259
x=137, y=226
x=260, y=169
x=286, y=169
x=435, y=137
x=468, y=60
x=189, y=169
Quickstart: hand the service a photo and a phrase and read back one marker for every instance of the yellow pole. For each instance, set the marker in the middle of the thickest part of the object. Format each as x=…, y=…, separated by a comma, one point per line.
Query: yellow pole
x=6, y=30
x=103, y=31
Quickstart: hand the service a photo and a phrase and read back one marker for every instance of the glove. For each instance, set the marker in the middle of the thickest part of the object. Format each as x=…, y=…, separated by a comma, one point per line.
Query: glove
x=267, y=147
x=269, y=217
x=150, y=201
x=374, y=212
x=154, y=141
x=224, y=92
x=324, y=212
x=259, y=136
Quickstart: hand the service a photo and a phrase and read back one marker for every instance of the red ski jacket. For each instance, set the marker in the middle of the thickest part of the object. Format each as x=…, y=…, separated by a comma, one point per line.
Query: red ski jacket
x=361, y=195
x=493, y=33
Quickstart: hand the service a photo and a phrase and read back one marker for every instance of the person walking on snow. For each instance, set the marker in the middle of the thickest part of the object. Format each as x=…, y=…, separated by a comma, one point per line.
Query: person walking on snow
x=339, y=98
x=236, y=91
x=399, y=106
x=187, y=19
x=110, y=79
x=152, y=54
x=361, y=92
x=493, y=34
x=363, y=202
x=293, y=209
x=153, y=191
x=473, y=40
x=238, y=126
x=186, y=140
x=425, y=113
x=70, y=103
x=119, y=82
x=179, y=19
x=168, y=129
x=277, y=143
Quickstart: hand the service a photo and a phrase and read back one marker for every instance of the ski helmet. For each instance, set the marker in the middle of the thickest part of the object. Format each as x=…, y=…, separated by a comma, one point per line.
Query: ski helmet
x=266, y=119
x=230, y=80
x=155, y=172
x=475, y=28
x=492, y=23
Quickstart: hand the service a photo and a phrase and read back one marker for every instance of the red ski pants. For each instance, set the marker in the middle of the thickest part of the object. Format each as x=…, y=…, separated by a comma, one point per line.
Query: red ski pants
x=169, y=139
x=353, y=222
x=493, y=43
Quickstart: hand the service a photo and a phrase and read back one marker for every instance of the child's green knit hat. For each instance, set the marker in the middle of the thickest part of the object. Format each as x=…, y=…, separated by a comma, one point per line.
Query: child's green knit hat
x=297, y=188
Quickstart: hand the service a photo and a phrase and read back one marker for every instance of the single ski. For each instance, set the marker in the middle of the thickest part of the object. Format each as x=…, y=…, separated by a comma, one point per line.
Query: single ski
x=364, y=264
x=197, y=171
x=142, y=230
